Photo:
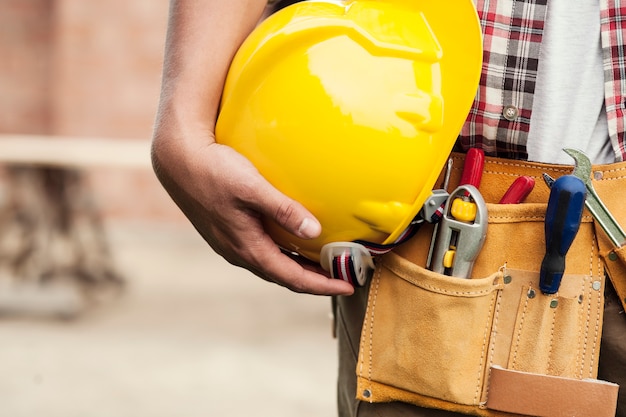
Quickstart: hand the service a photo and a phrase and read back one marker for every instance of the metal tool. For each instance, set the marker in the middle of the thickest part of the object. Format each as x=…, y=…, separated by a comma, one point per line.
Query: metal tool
x=582, y=170
x=433, y=206
x=472, y=175
x=548, y=180
x=435, y=215
x=461, y=233
x=563, y=217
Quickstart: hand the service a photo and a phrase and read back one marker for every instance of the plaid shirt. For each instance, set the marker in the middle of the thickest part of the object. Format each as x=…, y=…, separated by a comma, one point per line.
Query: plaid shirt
x=499, y=121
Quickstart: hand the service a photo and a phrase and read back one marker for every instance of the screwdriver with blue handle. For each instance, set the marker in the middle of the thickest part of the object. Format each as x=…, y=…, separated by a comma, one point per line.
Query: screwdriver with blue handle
x=563, y=217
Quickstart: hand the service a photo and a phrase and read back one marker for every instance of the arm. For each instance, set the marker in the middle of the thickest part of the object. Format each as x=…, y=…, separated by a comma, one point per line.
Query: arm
x=219, y=190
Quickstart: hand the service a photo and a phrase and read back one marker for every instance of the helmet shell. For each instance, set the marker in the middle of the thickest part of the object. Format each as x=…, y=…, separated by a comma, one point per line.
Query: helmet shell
x=352, y=108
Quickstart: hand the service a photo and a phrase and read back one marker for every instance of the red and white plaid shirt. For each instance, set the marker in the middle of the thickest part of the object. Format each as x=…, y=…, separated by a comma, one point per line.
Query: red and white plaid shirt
x=499, y=121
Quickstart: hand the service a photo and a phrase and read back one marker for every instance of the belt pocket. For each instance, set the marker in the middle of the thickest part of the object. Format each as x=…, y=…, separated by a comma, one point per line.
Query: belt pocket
x=426, y=333
x=546, y=337
x=434, y=340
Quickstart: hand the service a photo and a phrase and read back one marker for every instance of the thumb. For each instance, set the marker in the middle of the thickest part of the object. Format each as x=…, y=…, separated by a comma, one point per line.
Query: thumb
x=290, y=214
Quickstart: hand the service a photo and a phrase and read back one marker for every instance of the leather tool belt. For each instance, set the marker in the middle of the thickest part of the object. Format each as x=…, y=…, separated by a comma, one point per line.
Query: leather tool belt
x=494, y=344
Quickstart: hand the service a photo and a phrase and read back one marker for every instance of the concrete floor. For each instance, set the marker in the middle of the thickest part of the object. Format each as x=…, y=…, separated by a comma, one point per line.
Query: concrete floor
x=191, y=336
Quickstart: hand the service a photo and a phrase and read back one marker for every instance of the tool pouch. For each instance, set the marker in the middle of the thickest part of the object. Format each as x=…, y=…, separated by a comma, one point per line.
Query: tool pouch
x=609, y=182
x=494, y=344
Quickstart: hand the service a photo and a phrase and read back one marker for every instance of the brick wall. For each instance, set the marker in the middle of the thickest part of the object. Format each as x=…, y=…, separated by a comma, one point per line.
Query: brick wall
x=108, y=59
x=25, y=67
x=88, y=68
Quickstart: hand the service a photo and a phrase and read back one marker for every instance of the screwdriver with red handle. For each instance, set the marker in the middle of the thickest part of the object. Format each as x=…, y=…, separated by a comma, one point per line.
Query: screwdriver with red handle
x=518, y=191
x=473, y=167
x=464, y=208
x=563, y=217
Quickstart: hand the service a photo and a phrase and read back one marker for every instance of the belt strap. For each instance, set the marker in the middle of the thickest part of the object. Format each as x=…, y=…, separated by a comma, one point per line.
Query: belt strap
x=550, y=396
x=352, y=261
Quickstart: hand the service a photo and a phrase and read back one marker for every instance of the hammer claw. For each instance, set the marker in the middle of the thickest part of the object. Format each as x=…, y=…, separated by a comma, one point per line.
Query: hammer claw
x=582, y=170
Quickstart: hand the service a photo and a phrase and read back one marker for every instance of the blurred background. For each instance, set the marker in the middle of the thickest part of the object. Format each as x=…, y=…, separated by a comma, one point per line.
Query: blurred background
x=110, y=303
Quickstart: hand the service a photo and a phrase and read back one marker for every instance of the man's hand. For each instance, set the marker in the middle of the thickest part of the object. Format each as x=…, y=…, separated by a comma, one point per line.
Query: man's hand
x=219, y=190
x=224, y=196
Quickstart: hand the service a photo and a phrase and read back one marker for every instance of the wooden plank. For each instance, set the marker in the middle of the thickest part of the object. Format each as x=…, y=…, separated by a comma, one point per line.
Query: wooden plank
x=74, y=152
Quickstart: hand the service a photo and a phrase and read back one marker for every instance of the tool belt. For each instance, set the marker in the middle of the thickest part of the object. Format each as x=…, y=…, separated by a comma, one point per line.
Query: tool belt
x=496, y=345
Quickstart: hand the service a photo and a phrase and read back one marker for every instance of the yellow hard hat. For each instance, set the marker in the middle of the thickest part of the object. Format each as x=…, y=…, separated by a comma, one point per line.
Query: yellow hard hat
x=352, y=108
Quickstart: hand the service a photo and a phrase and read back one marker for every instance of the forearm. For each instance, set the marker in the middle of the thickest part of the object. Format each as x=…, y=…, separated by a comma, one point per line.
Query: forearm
x=219, y=190
x=202, y=38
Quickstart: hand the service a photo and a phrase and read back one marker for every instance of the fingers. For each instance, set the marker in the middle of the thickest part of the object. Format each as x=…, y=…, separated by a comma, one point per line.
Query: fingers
x=244, y=243
x=287, y=213
x=280, y=268
x=260, y=196
x=285, y=271
x=225, y=198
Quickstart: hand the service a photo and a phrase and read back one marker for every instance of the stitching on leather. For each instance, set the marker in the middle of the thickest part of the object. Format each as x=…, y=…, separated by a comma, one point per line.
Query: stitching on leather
x=610, y=170
x=591, y=253
x=596, y=326
x=363, y=333
x=600, y=293
x=486, y=333
x=551, y=345
x=587, y=293
x=373, y=307
x=586, y=218
x=518, y=218
x=398, y=271
x=596, y=330
x=444, y=291
x=586, y=327
x=521, y=164
x=621, y=177
x=494, y=332
x=582, y=337
x=598, y=260
x=586, y=287
x=519, y=333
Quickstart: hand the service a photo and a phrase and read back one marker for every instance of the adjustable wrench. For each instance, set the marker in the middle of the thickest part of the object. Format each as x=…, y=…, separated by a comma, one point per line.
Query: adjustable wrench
x=582, y=170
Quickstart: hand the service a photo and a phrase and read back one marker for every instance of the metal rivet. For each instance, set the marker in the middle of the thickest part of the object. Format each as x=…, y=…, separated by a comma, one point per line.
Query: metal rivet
x=613, y=256
x=598, y=175
x=367, y=393
x=510, y=112
x=508, y=279
x=554, y=303
x=531, y=293
x=596, y=285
